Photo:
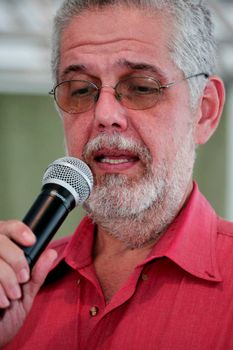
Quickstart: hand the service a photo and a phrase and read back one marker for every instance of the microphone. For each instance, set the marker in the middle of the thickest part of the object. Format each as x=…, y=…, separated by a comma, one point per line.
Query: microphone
x=67, y=182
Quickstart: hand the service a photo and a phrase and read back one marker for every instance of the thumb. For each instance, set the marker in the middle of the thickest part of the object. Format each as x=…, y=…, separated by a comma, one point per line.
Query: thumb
x=39, y=273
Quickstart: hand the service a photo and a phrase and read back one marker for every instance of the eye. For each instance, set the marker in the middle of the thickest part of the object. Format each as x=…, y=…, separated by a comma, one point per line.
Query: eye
x=142, y=89
x=79, y=92
x=82, y=90
x=142, y=86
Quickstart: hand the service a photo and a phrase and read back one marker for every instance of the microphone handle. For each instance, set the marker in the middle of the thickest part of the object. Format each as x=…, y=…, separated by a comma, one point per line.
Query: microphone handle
x=45, y=217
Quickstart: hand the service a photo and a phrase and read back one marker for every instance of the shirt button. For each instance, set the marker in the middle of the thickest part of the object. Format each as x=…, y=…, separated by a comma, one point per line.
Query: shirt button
x=144, y=277
x=94, y=311
x=78, y=281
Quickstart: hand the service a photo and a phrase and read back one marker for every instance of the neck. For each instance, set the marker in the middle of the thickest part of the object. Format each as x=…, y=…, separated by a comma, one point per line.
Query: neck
x=114, y=262
x=115, y=259
x=107, y=244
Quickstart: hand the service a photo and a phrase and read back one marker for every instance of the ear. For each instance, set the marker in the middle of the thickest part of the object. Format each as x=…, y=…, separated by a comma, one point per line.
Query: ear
x=210, y=109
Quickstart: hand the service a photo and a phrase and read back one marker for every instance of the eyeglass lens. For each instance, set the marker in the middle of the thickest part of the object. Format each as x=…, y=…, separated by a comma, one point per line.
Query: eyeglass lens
x=78, y=96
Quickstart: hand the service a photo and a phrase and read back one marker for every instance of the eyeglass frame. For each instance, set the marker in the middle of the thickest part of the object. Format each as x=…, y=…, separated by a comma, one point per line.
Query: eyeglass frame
x=117, y=96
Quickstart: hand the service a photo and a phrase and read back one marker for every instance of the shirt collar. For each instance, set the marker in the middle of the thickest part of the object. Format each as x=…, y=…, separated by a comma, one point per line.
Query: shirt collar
x=190, y=241
x=76, y=251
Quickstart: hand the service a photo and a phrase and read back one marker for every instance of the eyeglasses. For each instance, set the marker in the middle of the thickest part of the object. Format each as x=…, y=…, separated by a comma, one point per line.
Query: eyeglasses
x=135, y=92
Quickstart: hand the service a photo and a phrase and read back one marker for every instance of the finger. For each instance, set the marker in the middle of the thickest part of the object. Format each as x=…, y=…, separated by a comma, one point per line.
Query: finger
x=39, y=273
x=4, y=301
x=17, y=231
x=8, y=282
x=14, y=256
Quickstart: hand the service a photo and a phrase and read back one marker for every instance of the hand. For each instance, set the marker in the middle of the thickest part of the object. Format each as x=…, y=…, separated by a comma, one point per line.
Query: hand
x=17, y=288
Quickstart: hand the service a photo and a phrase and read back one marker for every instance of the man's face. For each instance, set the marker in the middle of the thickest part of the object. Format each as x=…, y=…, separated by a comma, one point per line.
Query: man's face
x=107, y=45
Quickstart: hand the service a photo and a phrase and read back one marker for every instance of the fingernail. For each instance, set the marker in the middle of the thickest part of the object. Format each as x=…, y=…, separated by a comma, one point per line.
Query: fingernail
x=29, y=237
x=23, y=276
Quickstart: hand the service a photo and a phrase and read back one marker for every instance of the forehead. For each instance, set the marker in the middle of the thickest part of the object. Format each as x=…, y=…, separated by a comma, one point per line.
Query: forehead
x=115, y=33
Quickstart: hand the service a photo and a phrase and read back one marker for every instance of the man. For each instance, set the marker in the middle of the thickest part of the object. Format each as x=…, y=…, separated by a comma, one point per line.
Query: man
x=151, y=268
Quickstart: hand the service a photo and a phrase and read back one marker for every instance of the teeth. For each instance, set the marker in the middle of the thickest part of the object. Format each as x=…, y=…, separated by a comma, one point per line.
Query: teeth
x=113, y=161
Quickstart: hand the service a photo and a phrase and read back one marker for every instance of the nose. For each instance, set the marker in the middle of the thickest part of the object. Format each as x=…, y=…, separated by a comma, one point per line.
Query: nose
x=109, y=113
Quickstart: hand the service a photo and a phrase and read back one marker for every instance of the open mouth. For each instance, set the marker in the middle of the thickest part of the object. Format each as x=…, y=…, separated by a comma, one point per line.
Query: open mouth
x=115, y=158
x=110, y=159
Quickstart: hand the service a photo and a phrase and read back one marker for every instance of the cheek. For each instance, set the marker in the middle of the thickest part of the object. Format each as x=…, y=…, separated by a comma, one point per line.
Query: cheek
x=76, y=131
x=157, y=136
x=163, y=138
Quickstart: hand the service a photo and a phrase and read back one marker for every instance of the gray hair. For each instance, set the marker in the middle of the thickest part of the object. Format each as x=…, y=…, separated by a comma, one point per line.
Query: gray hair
x=192, y=47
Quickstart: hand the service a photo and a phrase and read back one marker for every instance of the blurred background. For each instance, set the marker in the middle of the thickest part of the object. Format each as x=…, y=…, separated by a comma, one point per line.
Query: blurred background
x=31, y=132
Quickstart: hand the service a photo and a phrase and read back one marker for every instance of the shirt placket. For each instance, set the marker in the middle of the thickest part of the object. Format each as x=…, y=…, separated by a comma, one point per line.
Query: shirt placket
x=98, y=312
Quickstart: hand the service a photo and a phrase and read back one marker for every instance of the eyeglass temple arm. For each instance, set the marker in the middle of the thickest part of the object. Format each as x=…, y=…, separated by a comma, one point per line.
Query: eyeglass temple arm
x=206, y=75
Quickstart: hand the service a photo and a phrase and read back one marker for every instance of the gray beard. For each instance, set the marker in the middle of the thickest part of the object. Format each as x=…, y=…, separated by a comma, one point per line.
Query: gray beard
x=138, y=212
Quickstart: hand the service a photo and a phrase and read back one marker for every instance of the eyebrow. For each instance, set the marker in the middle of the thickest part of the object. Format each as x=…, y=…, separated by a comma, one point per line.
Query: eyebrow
x=73, y=68
x=140, y=66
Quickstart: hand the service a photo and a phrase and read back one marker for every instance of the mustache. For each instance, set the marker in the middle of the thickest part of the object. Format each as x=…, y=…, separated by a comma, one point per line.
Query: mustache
x=119, y=142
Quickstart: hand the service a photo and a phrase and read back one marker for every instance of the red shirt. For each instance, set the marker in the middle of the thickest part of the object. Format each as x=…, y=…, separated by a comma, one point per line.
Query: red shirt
x=179, y=298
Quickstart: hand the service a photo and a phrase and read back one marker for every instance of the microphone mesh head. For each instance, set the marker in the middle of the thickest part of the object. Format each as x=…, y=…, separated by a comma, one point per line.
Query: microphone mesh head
x=72, y=174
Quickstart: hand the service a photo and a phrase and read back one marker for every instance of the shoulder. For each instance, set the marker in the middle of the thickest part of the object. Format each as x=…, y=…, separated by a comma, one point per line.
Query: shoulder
x=224, y=228
x=224, y=237
x=224, y=249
